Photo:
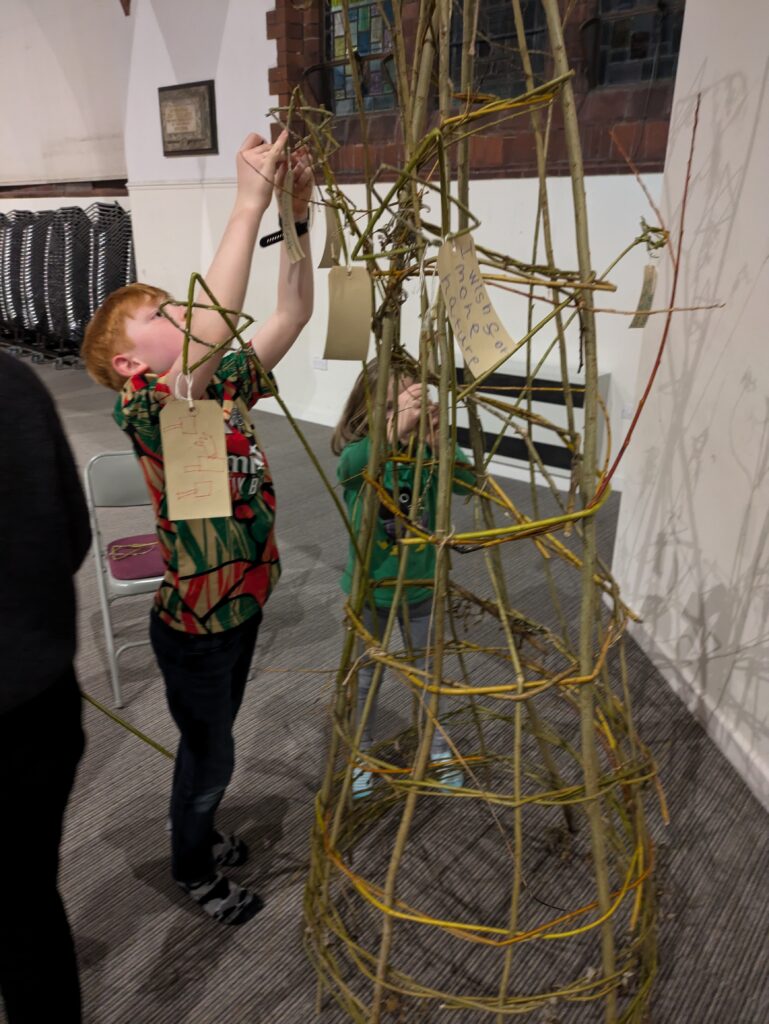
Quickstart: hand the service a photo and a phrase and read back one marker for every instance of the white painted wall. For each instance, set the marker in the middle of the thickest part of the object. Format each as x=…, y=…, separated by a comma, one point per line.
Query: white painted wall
x=177, y=41
x=63, y=87
x=692, y=552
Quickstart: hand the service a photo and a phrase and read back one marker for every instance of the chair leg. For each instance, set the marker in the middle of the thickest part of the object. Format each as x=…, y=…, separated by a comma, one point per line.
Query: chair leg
x=112, y=656
x=107, y=620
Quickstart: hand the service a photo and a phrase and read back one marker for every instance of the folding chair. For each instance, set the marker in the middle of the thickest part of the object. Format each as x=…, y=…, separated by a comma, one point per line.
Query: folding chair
x=126, y=566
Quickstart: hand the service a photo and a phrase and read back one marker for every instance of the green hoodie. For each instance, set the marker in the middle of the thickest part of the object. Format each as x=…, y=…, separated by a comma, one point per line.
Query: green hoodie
x=385, y=550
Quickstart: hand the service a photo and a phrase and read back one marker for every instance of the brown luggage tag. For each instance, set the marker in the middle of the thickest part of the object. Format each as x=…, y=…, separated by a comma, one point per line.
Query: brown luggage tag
x=195, y=457
x=646, y=297
x=333, y=246
x=477, y=328
x=286, y=206
x=349, y=314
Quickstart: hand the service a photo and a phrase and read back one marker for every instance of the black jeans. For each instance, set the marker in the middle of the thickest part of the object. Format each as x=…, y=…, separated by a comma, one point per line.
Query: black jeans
x=41, y=743
x=205, y=677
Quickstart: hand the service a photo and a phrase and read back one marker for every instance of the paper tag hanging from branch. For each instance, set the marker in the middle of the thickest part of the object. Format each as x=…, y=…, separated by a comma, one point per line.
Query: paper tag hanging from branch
x=477, y=328
x=647, y=296
x=286, y=207
x=333, y=246
x=195, y=460
x=349, y=313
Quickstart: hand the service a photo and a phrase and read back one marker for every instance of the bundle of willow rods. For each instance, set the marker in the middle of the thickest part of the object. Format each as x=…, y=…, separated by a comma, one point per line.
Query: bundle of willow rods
x=540, y=724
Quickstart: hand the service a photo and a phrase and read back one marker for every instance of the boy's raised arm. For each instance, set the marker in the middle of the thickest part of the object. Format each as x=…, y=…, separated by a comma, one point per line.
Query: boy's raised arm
x=258, y=166
x=295, y=280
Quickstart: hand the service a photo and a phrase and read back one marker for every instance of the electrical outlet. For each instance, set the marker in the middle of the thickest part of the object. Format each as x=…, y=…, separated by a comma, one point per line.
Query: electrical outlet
x=319, y=364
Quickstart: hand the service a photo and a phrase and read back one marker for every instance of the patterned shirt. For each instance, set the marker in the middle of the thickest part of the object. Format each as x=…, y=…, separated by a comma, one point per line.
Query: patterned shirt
x=219, y=572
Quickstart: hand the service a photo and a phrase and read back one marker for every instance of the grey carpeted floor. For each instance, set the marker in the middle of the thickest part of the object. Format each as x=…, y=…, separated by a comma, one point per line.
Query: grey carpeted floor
x=147, y=957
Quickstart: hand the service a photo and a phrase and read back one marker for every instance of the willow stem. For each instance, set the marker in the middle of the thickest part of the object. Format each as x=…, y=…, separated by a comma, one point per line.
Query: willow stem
x=589, y=462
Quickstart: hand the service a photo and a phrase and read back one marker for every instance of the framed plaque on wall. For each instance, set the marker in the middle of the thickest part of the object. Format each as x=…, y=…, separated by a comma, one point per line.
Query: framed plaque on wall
x=188, y=119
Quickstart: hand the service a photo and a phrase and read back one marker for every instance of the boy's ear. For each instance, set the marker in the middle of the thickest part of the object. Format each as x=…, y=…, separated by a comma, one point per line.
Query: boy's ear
x=127, y=365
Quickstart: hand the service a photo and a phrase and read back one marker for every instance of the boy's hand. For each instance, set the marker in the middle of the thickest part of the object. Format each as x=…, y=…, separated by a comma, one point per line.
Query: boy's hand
x=302, y=184
x=259, y=164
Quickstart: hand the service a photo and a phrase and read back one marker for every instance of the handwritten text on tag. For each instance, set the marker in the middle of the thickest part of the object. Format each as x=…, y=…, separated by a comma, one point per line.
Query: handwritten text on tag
x=195, y=460
x=286, y=207
x=477, y=328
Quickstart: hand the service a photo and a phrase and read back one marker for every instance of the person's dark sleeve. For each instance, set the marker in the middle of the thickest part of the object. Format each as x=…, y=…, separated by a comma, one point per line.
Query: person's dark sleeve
x=45, y=535
x=36, y=460
x=72, y=497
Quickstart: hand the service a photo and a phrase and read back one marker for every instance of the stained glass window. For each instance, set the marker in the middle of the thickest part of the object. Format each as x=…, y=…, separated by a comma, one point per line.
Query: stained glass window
x=370, y=36
x=498, y=68
x=639, y=40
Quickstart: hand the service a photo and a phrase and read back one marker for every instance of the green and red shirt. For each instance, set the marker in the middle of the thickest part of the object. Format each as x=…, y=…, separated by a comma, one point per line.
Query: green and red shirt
x=219, y=572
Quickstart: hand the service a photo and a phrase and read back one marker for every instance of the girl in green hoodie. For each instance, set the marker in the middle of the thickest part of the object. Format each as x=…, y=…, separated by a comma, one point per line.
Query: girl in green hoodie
x=351, y=443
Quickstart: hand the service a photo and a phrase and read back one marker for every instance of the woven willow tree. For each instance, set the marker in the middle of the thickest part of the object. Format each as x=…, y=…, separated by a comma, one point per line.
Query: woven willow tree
x=528, y=891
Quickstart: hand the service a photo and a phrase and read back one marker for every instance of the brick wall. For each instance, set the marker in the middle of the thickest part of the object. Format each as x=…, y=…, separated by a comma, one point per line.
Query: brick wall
x=639, y=115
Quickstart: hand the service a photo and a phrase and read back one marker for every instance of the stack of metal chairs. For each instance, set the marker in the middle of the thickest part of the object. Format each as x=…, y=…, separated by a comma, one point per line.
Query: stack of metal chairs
x=56, y=268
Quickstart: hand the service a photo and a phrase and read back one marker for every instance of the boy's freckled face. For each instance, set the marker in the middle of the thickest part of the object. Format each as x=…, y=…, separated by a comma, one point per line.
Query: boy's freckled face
x=157, y=342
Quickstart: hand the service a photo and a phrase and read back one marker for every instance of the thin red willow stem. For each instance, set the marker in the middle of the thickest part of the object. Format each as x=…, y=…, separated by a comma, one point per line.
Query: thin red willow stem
x=668, y=320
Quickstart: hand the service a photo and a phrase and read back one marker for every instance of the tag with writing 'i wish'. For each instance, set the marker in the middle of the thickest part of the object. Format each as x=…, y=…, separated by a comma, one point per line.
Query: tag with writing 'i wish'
x=477, y=328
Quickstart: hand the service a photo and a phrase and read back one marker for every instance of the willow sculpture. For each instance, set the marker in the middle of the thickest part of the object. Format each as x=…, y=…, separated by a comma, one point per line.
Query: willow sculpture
x=528, y=890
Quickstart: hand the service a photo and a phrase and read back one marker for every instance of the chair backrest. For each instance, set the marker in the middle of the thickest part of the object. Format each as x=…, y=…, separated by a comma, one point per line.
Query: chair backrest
x=114, y=479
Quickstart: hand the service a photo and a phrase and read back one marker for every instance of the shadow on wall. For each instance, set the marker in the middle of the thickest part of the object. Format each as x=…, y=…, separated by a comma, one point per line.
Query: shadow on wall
x=191, y=50
x=696, y=545
x=64, y=41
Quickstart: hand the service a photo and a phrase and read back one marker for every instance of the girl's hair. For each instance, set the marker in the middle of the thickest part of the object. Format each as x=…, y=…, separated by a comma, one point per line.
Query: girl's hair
x=353, y=424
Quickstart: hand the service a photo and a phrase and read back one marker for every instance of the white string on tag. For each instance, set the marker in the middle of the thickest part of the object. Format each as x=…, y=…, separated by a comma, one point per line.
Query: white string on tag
x=178, y=391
